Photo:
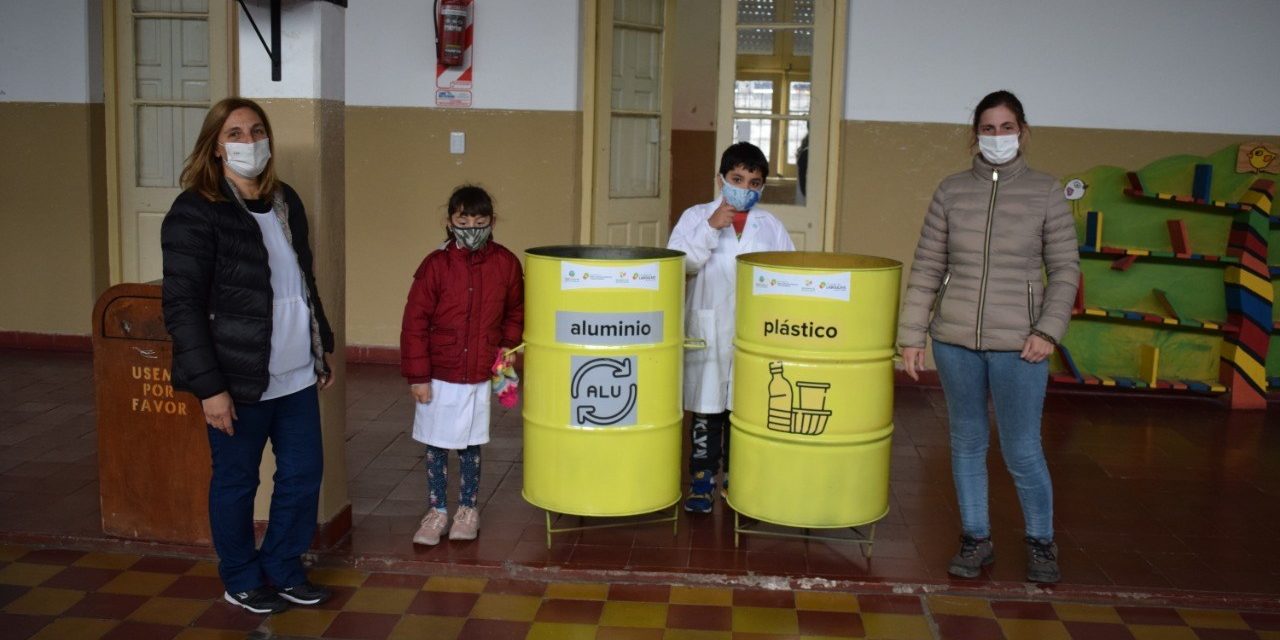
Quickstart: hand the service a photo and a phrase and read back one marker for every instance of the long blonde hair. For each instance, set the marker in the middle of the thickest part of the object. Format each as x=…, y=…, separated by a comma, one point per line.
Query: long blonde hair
x=203, y=170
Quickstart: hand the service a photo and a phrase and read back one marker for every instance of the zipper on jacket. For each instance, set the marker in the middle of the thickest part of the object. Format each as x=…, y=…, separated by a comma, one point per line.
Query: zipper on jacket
x=942, y=292
x=1031, y=305
x=986, y=257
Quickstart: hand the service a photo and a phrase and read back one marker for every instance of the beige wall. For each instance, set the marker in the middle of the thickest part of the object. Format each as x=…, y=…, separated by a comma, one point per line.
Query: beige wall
x=399, y=177
x=53, y=216
x=890, y=170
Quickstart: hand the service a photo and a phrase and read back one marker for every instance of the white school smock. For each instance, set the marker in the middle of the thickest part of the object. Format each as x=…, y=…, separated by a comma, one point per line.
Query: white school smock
x=457, y=416
x=711, y=262
x=291, y=366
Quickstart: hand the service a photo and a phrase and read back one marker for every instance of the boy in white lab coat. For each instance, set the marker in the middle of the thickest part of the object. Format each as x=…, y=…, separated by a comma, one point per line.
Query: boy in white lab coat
x=712, y=235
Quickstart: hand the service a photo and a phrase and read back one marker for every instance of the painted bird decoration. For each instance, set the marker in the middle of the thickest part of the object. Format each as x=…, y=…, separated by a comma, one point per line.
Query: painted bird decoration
x=1257, y=157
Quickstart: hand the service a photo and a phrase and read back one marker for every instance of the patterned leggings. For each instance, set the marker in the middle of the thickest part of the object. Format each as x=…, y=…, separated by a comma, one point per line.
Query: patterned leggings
x=438, y=476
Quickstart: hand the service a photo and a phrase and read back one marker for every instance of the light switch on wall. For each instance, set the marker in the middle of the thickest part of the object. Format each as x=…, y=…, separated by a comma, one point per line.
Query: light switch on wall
x=457, y=142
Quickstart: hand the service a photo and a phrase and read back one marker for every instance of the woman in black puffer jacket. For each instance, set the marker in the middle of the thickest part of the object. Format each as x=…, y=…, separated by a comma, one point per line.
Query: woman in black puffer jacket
x=249, y=338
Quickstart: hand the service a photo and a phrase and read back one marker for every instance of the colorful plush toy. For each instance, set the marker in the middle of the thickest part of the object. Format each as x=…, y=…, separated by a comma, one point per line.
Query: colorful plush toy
x=505, y=381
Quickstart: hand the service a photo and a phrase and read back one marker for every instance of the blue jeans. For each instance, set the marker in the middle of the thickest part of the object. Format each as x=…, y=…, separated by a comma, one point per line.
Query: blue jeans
x=292, y=423
x=1017, y=389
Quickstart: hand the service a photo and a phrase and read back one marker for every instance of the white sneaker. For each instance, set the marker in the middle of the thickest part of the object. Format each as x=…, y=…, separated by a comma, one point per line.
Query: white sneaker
x=432, y=526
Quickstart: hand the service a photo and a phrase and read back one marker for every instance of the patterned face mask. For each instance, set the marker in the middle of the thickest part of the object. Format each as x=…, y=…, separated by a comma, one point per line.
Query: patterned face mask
x=472, y=238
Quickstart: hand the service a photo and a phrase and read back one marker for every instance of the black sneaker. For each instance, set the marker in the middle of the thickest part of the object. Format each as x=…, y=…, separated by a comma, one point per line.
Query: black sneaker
x=974, y=554
x=260, y=600
x=1042, y=560
x=306, y=593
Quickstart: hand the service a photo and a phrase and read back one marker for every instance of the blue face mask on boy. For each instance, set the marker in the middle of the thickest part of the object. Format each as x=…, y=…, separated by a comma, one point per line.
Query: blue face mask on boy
x=740, y=198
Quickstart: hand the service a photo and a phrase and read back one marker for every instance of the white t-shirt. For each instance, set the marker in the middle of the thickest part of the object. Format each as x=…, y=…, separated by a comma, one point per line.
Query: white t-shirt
x=291, y=366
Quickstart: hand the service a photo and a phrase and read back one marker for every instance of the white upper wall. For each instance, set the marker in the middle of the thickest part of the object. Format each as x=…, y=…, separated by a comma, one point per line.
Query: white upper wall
x=51, y=51
x=1159, y=65
x=313, y=51
x=525, y=54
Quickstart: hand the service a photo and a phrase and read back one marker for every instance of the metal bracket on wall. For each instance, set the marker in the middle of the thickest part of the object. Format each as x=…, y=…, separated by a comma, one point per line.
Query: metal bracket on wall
x=273, y=49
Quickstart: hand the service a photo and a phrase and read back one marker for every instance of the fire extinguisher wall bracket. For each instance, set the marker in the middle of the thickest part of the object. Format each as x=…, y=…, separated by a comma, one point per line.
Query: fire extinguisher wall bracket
x=451, y=25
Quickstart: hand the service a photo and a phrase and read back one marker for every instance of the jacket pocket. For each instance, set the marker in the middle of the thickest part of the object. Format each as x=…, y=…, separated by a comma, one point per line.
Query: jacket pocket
x=444, y=348
x=1032, y=310
x=942, y=292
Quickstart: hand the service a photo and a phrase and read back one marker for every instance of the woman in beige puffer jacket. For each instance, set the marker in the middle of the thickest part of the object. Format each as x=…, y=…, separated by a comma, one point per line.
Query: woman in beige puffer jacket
x=978, y=288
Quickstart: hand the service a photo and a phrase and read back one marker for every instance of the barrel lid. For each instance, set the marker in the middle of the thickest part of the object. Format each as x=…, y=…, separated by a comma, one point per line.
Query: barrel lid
x=603, y=252
x=819, y=261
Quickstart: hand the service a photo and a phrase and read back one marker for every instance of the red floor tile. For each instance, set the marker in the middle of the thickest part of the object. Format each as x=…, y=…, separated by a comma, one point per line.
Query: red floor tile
x=691, y=616
x=163, y=565
x=830, y=623
x=395, y=580
x=440, y=603
x=763, y=598
x=223, y=615
x=493, y=630
x=130, y=630
x=81, y=578
x=640, y=592
x=515, y=587
x=21, y=627
x=51, y=556
x=967, y=628
x=874, y=603
x=111, y=606
x=1024, y=609
x=1150, y=615
x=1226, y=634
x=199, y=587
x=361, y=626
x=626, y=633
x=1097, y=631
x=1262, y=621
x=573, y=611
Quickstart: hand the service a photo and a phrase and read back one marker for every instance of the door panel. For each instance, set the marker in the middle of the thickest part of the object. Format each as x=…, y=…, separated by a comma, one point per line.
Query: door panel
x=776, y=90
x=172, y=62
x=633, y=123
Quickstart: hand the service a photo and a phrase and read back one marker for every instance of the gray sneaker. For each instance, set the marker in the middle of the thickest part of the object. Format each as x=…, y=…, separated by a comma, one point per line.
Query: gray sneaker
x=1042, y=560
x=974, y=554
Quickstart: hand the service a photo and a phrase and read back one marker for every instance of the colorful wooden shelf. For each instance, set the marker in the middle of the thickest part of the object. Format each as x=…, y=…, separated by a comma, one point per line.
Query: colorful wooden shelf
x=1128, y=315
x=1119, y=252
x=1122, y=382
x=1136, y=191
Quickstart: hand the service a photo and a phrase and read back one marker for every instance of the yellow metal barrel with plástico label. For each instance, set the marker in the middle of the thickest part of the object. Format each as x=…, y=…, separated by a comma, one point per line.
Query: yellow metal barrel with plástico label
x=604, y=337
x=812, y=409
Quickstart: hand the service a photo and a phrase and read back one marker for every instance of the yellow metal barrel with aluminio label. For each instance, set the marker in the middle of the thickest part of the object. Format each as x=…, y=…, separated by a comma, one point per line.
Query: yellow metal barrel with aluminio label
x=813, y=388
x=603, y=362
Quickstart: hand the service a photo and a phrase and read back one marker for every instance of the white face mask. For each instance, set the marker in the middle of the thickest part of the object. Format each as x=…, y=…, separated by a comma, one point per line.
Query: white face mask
x=245, y=158
x=998, y=149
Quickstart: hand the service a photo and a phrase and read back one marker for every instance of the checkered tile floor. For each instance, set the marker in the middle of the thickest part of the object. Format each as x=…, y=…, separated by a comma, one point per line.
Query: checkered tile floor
x=55, y=593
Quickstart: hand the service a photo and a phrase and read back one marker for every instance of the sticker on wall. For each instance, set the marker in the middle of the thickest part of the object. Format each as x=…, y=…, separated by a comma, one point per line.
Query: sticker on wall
x=603, y=391
x=798, y=408
x=575, y=275
x=1074, y=189
x=831, y=286
x=1257, y=157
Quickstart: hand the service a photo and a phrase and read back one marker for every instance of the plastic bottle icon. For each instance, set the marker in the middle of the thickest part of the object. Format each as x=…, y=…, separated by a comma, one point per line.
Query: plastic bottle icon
x=779, y=399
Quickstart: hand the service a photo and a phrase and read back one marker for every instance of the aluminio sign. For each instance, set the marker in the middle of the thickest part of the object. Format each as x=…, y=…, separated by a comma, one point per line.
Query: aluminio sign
x=609, y=329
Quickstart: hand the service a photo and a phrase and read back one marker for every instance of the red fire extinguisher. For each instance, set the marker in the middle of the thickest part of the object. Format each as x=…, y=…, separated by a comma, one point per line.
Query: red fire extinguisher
x=451, y=27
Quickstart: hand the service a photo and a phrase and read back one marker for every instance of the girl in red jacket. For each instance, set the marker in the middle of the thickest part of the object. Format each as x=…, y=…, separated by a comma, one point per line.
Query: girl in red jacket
x=466, y=306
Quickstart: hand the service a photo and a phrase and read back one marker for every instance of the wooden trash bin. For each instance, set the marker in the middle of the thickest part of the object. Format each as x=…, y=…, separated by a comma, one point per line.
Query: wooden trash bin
x=153, y=449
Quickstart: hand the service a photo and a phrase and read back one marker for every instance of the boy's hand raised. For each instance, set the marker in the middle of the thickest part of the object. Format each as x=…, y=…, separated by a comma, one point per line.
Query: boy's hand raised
x=722, y=217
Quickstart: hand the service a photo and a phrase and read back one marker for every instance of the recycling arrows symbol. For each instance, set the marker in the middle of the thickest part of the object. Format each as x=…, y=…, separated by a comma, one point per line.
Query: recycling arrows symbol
x=594, y=403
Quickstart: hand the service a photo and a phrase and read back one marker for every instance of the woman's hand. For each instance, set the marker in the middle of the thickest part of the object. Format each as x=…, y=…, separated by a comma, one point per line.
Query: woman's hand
x=913, y=361
x=220, y=412
x=1036, y=349
x=421, y=392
